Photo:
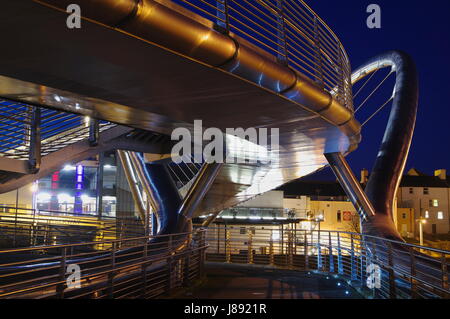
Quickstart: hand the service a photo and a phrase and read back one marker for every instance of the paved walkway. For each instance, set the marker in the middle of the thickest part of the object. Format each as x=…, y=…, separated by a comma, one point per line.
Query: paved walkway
x=233, y=281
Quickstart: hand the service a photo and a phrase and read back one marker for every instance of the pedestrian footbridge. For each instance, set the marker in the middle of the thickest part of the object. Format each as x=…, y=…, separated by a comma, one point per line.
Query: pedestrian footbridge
x=135, y=71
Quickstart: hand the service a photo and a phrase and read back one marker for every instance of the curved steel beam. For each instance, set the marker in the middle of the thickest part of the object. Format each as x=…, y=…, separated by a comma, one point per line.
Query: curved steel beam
x=390, y=163
x=162, y=192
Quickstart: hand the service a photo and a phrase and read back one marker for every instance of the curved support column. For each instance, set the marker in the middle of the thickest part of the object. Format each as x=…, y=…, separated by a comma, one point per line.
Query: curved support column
x=161, y=191
x=202, y=184
x=390, y=163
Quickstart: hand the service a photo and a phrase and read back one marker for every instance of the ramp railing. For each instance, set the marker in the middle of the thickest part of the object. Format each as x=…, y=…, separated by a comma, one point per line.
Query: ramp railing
x=290, y=31
x=150, y=267
x=380, y=267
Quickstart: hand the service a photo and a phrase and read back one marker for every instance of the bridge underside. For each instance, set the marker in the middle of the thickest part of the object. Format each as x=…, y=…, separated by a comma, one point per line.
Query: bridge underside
x=110, y=75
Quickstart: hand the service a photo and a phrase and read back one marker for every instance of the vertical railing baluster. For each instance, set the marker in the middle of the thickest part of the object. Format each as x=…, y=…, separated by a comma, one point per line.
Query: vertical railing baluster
x=250, y=247
x=330, y=250
x=413, y=273
x=352, y=258
x=392, y=292
x=306, y=251
x=444, y=272
x=111, y=273
x=228, y=246
x=339, y=255
x=319, y=252
x=94, y=132
x=34, y=152
x=62, y=274
x=318, y=53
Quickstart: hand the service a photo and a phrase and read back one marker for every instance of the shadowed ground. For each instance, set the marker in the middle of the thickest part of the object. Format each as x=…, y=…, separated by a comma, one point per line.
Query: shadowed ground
x=231, y=281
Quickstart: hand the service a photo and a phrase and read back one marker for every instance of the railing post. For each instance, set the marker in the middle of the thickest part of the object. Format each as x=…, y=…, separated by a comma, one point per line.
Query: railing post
x=413, y=273
x=339, y=255
x=94, y=132
x=144, y=269
x=306, y=251
x=318, y=48
x=202, y=252
x=330, y=250
x=62, y=274
x=228, y=246
x=271, y=253
x=392, y=293
x=111, y=272
x=291, y=249
x=187, y=261
x=250, y=247
x=319, y=253
x=34, y=154
x=169, y=262
x=444, y=272
x=352, y=258
x=281, y=34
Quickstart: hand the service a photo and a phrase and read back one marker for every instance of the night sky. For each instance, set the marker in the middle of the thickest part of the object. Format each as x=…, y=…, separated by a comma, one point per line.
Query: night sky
x=422, y=29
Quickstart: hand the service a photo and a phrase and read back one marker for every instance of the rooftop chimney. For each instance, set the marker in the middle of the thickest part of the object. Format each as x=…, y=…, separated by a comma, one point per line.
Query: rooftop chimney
x=364, y=176
x=441, y=173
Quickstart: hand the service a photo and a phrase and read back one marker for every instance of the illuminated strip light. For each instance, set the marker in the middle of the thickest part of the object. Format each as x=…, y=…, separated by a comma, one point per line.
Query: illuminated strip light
x=78, y=206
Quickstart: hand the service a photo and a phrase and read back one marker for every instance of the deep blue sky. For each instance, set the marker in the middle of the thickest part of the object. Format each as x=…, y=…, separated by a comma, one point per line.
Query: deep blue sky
x=422, y=29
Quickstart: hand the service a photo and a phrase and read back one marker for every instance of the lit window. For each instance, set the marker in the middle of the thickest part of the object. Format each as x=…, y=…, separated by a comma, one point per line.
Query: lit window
x=435, y=203
x=427, y=214
x=426, y=191
x=440, y=215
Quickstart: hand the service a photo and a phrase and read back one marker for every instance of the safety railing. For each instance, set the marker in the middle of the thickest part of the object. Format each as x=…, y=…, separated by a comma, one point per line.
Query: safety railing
x=290, y=31
x=149, y=268
x=21, y=227
x=379, y=267
x=29, y=132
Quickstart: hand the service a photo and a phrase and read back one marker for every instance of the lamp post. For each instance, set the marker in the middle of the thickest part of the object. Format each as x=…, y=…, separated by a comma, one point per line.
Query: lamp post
x=422, y=221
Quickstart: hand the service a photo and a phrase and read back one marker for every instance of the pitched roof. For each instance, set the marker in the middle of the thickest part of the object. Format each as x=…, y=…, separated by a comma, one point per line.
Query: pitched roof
x=424, y=181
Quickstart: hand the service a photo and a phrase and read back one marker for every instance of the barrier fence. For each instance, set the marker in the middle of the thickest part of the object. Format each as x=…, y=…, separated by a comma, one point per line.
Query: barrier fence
x=150, y=267
x=379, y=267
x=290, y=31
x=21, y=227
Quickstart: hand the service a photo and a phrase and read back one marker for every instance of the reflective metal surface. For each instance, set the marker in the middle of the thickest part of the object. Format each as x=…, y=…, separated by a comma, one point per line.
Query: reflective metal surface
x=351, y=185
x=388, y=170
x=406, y=271
x=160, y=66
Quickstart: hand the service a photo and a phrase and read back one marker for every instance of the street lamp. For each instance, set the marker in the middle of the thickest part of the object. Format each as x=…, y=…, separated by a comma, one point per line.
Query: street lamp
x=422, y=221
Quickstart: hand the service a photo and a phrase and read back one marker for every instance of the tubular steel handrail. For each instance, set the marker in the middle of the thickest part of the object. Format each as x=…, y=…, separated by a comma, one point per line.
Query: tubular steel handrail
x=378, y=267
x=28, y=130
x=22, y=227
x=150, y=267
x=290, y=31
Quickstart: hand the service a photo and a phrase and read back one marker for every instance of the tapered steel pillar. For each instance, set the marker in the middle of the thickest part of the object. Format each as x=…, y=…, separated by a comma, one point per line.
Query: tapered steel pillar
x=350, y=185
x=161, y=191
x=390, y=163
x=132, y=183
x=198, y=190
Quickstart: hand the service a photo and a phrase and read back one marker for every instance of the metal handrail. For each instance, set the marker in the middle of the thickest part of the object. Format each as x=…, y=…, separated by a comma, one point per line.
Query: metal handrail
x=284, y=28
x=406, y=270
x=152, y=266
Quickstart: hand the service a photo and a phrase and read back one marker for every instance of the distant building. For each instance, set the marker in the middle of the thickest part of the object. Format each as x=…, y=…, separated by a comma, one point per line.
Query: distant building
x=429, y=197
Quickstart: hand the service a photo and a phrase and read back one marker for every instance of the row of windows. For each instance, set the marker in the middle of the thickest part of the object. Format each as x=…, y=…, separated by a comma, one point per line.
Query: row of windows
x=440, y=215
x=425, y=191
